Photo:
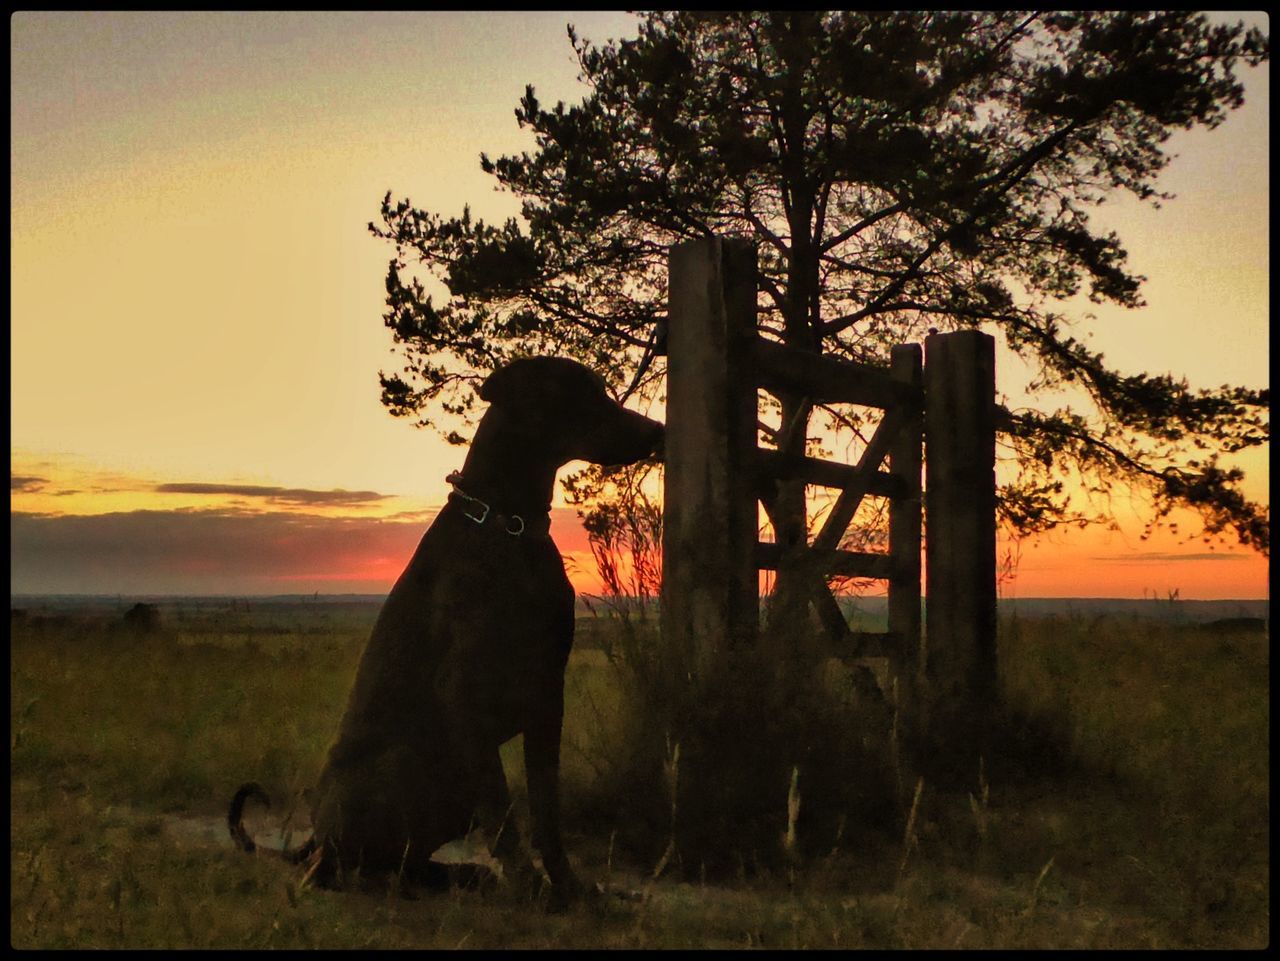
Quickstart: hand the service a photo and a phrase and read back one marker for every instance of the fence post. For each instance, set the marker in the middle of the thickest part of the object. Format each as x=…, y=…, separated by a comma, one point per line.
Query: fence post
x=959, y=669
x=710, y=593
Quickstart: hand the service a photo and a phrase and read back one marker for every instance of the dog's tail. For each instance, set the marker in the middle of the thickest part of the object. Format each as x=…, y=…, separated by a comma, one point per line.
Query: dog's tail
x=235, y=824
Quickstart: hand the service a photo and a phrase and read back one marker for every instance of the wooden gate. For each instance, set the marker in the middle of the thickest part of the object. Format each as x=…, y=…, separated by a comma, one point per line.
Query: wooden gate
x=716, y=473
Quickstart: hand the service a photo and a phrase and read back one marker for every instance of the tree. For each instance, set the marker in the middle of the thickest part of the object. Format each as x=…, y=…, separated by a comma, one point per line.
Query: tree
x=899, y=171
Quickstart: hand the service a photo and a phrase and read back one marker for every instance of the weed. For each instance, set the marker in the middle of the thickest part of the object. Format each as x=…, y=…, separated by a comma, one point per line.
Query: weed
x=909, y=838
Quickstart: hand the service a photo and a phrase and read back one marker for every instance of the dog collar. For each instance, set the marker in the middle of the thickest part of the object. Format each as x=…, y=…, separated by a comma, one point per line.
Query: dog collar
x=479, y=511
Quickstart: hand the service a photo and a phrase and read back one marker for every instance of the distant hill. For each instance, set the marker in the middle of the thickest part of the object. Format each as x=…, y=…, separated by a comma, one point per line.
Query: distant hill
x=110, y=602
x=1178, y=610
x=874, y=610
x=867, y=613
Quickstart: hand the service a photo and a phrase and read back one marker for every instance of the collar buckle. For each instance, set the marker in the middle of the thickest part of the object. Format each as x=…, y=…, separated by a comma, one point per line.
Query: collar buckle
x=515, y=525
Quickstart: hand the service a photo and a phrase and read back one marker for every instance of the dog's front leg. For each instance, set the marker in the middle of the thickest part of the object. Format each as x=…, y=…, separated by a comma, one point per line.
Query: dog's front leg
x=495, y=813
x=494, y=808
x=542, y=769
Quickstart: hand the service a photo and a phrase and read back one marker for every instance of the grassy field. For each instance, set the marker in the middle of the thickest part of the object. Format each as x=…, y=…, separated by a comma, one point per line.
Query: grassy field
x=1134, y=811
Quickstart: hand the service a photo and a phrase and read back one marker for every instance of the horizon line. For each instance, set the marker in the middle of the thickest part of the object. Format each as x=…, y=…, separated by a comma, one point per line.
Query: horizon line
x=119, y=595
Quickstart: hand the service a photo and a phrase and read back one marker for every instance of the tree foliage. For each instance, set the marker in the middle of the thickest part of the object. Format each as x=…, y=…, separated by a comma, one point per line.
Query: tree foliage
x=899, y=171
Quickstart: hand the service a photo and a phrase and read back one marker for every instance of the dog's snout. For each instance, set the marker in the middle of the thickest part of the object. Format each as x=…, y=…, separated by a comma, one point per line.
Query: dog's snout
x=624, y=437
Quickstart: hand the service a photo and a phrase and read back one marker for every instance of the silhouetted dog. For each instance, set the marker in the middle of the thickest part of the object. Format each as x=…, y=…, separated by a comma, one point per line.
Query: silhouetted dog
x=470, y=648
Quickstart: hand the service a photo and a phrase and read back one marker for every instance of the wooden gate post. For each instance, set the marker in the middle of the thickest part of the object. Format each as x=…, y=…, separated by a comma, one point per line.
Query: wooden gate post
x=710, y=592
x=959, y=664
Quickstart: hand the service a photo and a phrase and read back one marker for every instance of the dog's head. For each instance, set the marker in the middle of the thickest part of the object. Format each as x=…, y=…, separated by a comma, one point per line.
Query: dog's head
x=564, y=408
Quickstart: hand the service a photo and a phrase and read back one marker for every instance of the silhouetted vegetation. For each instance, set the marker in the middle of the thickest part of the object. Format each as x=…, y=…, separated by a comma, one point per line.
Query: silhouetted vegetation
x=899, y=171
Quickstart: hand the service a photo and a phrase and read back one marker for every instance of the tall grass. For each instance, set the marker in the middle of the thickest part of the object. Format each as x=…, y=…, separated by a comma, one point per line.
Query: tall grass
x=1165, y=733
x=176, y=717
x=1128, y=806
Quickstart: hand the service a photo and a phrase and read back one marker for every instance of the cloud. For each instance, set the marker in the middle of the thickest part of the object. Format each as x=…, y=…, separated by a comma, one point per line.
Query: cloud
x=276, y=495
x=222, y=551
x=1155, y=557
x=218, y=551
x=26, y=484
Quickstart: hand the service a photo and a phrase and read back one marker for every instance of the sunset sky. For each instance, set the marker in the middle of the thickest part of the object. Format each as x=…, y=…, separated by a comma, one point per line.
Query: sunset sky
x=196, y=301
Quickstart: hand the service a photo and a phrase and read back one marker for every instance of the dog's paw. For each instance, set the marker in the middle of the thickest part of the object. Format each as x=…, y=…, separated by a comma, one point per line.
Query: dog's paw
x=568, y=890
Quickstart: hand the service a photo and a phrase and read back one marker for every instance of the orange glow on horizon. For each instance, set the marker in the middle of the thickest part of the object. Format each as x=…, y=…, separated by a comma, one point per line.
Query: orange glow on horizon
x=317, y=540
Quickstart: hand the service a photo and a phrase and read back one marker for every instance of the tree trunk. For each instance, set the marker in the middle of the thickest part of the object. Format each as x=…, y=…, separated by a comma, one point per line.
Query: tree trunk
x=789, y=515
x=789, y=606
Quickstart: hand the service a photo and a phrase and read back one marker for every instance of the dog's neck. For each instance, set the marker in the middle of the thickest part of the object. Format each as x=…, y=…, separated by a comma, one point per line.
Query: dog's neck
x=508, y=468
